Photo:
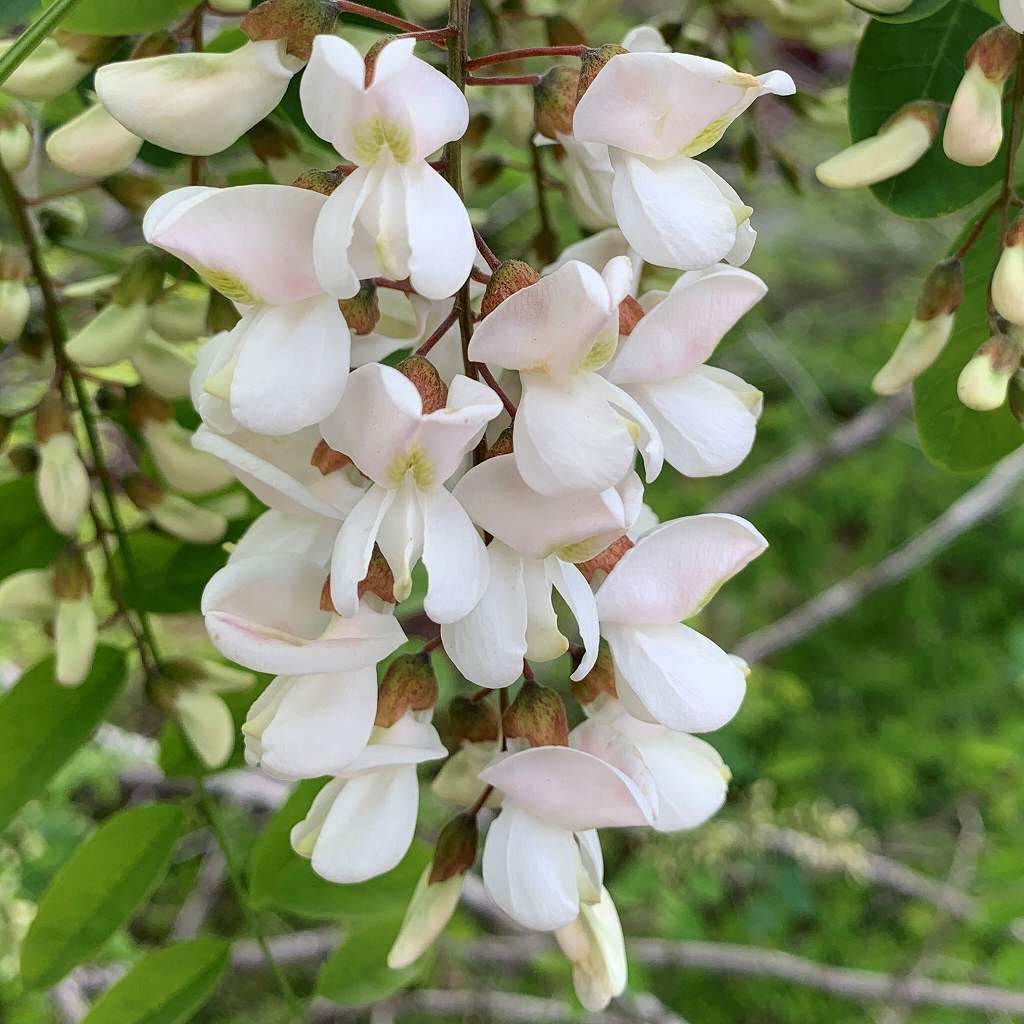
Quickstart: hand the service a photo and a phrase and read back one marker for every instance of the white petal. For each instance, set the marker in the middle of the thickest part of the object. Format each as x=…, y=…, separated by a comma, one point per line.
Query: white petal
x=182, y=466
x=310, y=538
x=114, y=333
x=28, y=595
x=331, y=90
x=74, y=639
x=193, y=523
x=430, y=909
x=455, y=558
x=690, y=776
x=93, y=144
x=335, y=229
x=62, y=483
x=353, y=547
x=544, y=640
x=576, y=592
x=164, y=368
x=447, y=435
x=206, y=721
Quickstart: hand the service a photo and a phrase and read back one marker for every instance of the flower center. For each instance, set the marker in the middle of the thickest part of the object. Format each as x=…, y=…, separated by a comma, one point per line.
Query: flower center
x=378, y=134
x=413, y=461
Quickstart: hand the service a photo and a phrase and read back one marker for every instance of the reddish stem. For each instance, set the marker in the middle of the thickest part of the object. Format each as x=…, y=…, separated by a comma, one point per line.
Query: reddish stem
x=485, y=250
x=441, y=331
x=530, y=51
x=432, y=645
x=479, y=276
x=351, y=7
x=527, y=671
x=484, y=371
x=502, y=79
x=398, y=286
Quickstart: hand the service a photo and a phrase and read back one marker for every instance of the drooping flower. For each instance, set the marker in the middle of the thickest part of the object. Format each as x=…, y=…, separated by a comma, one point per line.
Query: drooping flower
x=595, y=947
x=394, y=215
x=93, y=145
x=62, y=480
x=58, y=64
x=285, y=364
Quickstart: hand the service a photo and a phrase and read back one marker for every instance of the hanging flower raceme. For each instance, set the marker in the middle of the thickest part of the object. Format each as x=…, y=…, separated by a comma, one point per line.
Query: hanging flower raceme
x=408, y=432
x=656, y=112
x=574, y=430
x=394, y=215
x=284, y=365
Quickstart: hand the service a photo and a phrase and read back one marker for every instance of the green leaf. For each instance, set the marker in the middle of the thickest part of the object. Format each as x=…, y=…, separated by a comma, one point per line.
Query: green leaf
x=21, y=517
x=915, y=12
x=166, y=986
x=97, y=890
x=279, y=877
x=357, y=973
x=171, y=574
x=125, y=17
x=43, y=723
x=954, y=436
x=896, y=64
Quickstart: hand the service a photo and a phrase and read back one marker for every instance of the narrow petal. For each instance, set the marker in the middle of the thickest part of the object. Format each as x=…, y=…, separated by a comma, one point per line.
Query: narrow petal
x=400, y=537
x=335, y=230
x=575, y=591
x=544, y=640
x=331, y=91
x=691, y=778
x=273, y=532
x=454, y=554
x=74, y=639
x=354, y=548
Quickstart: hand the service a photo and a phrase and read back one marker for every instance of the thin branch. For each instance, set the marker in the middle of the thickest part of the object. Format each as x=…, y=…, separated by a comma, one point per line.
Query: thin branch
x=442, y=329
x=196, y=909
x=502, y=79
x=530, y=51
x=980, y=502
x=871, y=425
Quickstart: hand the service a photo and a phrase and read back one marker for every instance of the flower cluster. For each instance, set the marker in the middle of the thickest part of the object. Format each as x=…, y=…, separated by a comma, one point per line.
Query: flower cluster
x=503, y=463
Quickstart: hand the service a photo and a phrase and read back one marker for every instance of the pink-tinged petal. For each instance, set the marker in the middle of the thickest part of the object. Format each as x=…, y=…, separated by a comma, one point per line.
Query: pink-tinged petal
x=499, y=502
x=369, y=827
x=570, y=789
x=292, y=366
x=568, y=440
x=455, y=558
x=681, y=331
x=615, y=748
x=489, y=644
x=336, y=236
x=671, y=212
x=529, y=870
x=440, y=237
x=575, y=591
x=447, y=435
x=280, y=533
x=690, y=776
x=331, y=91
x=251, y=242
x=320, y=725
x=706, y=425
x=677, y=568
x=354, y=548
x=675, y=676
x=548, y=327
x=377, y=423
x=661, y=104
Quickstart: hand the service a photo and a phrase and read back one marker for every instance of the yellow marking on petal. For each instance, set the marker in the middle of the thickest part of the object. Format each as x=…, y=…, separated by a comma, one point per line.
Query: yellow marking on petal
x=230, y=286
x=304, y=847
x=377, y=134
x=706, y=137
x=742, y=80
x=219, y=383
x=741, y=212
x=413, y=461
x=600, y=353
x=580, y=551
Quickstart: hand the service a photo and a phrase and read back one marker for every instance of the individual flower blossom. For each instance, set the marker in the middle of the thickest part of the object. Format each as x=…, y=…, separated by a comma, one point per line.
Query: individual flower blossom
x=93, y=145
x=597, y=251
x=574, y=430
x=706, y=417
x=361, y=823
x=1008, y=279
x=985, y=380
x=163, y=368
x=974, y=125
x=542, y=847
x=15, y=138
x=536, y=541
x=15, y=300
x=901, y=141
x=394, y=215
x=596, y=949
x=62, y=480
x=197, y=103
x=56, y=65
x=264, y=612
x=181, y=314
x=172, y=513
x=416, y=441
x=656, y=112
x=285, y=364
x=667, y=672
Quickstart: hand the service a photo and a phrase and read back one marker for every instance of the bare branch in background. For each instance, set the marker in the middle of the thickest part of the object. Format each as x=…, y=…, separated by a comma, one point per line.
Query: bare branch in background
x=196, y=909
x=980, y=502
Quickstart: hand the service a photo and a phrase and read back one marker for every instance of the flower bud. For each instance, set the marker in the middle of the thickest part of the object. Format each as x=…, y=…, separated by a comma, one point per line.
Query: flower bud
x=15, y=140
x=54, y=67
x=897, y=146
x=974, y=127
x=472, y=721
x=197, y=103
x=984, y=381
x=93, y=144
x=74, y=635
x=591, y=63
x=1008, y=279
x=206, y=722
x=429, y=383
x=296, y=21
x=15, y=300
x=927, y=334
x=554, y=100
x=538, y=716
x=362, y=311
x=183, y=467
x=507, y=278
x=327, y=460
x=324, y=182
x=502, y=444
x=273, y=142
x=408, y=685
x=181, y=313
x=606, y=560
x=630, y=314
x=600, y=680
x=455, y=850
x=164, y=368
x=174, y=514
x=71, y=578
x=429, y=911
x=596, y=949
x=61, y=481
x=135, y=192
x=28, y=596
x=379, y=579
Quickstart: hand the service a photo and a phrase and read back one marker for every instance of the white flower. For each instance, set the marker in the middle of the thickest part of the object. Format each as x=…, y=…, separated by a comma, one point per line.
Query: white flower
x=197, y=103
x=182, y=466
x=409, y=453
x=164, y=368
x=284, y=365
x=111, y=335
x=48, y=72
x=15, y=144
x=541, y=854
x=597, y=251
x=536, y=540
x=596, y=949
x=666, y=672
x=429, y=910
x=394, y=215
x=264, y=612
x=574, y=430
x=202, y=714
x=93, y=144
x=361, y=823
x=705, y=417
x=63, y=483
x=74, y=639
x=656, y=112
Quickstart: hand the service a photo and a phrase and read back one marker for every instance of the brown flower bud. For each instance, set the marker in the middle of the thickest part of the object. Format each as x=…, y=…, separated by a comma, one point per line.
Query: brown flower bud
x=324, y=182
x=472, y=721
x=591, y=63
x=24, y=458
x=599, y=680
x=630, y=314
x=943, y=290
x=221, y=314
x=429, y=383
x=327, y=460
x=13, y=266
x=272, y=139
x=143, y=491
x=995, y=52
x=1015, y=397
x=538, y=716
x=502, y=444
x=408, y=685
x=51, y=417
x=479, y=125
x=145, y=407
x=606, y=560
x=455, y=850
x=379, y=578
x=298, y=21
x=71, y=578
x=485, y=169
x=135, y=192
x=554, y=100
x=507, y=278
x=362, y=311
x=326, y=601
x=928, y=112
